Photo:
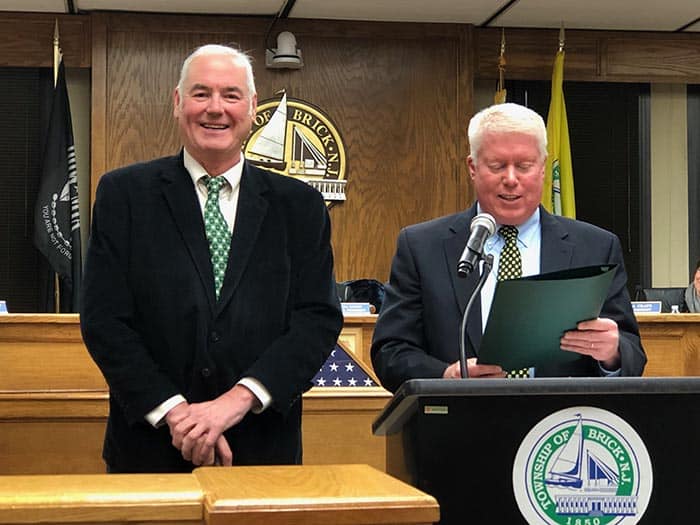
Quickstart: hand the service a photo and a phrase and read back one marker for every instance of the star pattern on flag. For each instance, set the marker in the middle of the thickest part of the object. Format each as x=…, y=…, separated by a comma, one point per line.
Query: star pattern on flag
x=342, y=370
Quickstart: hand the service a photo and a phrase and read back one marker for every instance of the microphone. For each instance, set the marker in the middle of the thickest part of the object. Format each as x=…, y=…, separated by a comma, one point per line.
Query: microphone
x=482, y=227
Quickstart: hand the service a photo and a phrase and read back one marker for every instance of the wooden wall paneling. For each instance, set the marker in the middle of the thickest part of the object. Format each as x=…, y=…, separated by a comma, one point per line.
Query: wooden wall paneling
x=597, y=56
x=144, y=56
x=27, y=39
x=401, y=139
x=530, y=53
x=98, y=109
x=220, y=28
x=142, y=73
x=392, y=91
x=393, y=95
x=668, y=58
x=465, y=99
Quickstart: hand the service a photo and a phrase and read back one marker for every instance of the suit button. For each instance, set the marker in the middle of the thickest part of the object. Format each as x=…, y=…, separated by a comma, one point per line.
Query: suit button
x=214, y=336
x=206, y=372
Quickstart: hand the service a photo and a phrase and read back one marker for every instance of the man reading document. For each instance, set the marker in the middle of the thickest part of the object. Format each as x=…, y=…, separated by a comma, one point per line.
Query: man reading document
x=417, y=333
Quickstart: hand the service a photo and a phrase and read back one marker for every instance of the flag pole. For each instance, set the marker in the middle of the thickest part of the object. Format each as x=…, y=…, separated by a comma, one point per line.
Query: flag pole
x=500, y=96
x=56, y=212
x=56, y=62
x=558, y=193
x=561, y=38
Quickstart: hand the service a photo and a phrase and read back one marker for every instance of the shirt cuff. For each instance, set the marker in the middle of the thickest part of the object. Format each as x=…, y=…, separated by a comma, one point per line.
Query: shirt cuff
x=156, y=417
x=259, y=391
x=609, y=373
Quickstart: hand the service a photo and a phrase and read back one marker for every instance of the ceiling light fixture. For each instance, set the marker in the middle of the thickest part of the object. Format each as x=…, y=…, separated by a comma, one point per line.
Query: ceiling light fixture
x=287, y=55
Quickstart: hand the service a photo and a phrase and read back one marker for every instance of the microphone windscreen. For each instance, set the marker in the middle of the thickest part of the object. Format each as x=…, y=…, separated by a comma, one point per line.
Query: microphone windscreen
x=486, y=220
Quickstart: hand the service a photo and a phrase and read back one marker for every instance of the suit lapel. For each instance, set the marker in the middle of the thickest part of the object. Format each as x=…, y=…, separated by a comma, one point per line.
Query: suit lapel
x=252, y=209
x=454, y=244
x=556, y=251
x=182, y=200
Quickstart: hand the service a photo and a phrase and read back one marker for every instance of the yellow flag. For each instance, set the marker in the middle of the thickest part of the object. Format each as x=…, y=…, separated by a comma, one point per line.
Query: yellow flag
x=558, y=193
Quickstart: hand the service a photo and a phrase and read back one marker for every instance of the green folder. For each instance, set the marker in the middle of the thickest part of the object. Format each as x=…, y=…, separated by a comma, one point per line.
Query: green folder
x=529, y=315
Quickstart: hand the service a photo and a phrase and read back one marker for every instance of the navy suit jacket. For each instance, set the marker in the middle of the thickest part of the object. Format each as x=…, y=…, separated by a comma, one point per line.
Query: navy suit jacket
x=152, y=323
x=417, y=333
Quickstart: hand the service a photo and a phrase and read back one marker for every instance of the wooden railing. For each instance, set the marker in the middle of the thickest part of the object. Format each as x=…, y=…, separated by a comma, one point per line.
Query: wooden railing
x=281, y=495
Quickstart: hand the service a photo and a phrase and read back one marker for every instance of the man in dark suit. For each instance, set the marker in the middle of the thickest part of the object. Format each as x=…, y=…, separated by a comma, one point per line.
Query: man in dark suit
x=207, y=316
x=417, y=333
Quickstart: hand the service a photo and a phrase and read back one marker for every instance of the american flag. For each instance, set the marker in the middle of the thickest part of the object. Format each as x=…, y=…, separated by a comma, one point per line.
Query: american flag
x=340, y=369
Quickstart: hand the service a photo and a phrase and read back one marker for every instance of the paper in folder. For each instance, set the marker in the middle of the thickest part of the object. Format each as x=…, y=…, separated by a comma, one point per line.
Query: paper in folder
x=529, y=315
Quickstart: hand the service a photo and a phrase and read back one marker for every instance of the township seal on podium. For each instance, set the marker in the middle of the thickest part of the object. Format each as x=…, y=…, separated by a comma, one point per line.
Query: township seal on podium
x=298, y=139
x=582, y=466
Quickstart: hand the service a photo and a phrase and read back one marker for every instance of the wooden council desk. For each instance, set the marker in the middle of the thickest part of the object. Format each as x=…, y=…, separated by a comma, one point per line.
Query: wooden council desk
x=671, y=341
x=50, y=387
x=672, y=344
x=53, y=402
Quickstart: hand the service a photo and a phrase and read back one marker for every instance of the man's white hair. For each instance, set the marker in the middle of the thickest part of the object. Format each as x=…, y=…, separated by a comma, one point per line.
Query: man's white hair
x=238, y=58
x=506, y=118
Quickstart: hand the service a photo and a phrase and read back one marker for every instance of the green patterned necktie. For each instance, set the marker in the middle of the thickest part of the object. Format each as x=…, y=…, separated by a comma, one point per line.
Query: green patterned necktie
x=217, y=231
x=510, y=266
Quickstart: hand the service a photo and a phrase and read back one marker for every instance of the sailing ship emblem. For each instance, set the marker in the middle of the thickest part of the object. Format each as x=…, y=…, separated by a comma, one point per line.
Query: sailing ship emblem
x=582, y=465
x=295, y=138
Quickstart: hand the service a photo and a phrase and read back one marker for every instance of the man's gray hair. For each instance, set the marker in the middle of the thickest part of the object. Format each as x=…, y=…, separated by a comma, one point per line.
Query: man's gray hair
x=506, y=118
x=238, y=58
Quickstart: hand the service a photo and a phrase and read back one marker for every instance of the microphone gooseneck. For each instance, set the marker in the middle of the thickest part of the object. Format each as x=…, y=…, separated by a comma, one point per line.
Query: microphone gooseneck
x=486, y=270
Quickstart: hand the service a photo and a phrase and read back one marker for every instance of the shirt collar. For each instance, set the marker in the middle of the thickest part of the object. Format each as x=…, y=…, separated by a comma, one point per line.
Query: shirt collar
x=530, y=228
x=527, y=231
x=232, y=175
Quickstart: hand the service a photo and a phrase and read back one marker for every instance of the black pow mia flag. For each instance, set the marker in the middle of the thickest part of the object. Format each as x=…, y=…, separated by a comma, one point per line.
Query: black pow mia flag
x=56, y=213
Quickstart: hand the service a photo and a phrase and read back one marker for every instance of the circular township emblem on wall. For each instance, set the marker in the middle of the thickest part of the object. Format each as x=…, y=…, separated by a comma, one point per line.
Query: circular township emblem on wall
x=295, y=138
x=582, y=466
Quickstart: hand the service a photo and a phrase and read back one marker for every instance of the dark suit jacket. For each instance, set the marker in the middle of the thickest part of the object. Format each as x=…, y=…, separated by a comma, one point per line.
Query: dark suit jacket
x=417, y=333
x=152, y=324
